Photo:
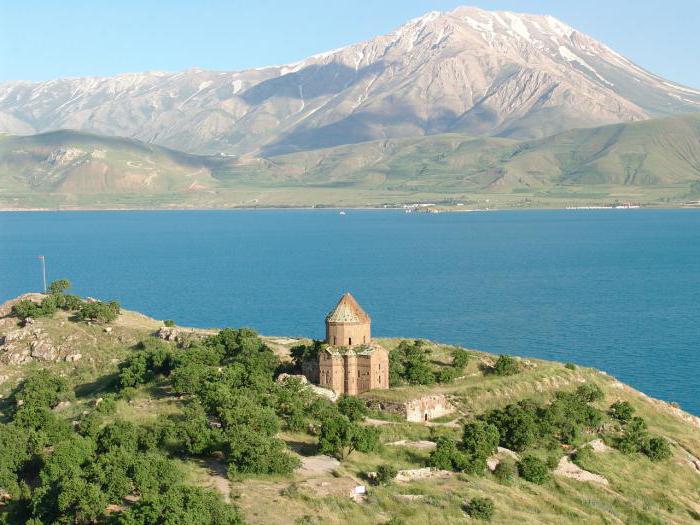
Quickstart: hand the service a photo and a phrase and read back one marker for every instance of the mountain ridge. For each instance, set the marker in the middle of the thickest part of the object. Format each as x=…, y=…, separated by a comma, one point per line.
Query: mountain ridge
x=468, y=70
x=654, y=162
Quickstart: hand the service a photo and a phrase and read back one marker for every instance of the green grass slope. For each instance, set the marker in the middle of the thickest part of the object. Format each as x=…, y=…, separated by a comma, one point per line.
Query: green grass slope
x=655, y=162
x=638, y=491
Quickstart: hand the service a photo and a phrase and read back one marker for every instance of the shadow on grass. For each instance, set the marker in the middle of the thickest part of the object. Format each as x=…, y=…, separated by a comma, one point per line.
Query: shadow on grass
x=303, y=449
x=102, y=385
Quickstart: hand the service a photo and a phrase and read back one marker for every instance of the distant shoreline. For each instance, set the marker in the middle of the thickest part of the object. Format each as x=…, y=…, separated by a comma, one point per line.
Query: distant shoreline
x=437, y=209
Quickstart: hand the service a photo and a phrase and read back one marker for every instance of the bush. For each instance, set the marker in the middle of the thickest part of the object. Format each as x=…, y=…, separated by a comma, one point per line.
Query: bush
x=590, y=393
x=339, y=437
x=409, y=363
x=99, y=311
x=506, y=366
x=183, y=505
x=446, y=375
x=42, y=389
x=480, y=508
x=59, y=287
x=460, y=358
x=385, y=474
x=169, y=322
x=634, y=436
x=516, y=424
x=353, y=407
x=25, y=308
x=621, y=411
x=533, y=470
x=570, y=366
x=582, y=456
x=505, y=471
x=657, y=449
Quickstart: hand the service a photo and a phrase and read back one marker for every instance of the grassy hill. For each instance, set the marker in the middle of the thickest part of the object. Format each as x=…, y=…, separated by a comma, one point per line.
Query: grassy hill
x=655, y=162
x=638, y=490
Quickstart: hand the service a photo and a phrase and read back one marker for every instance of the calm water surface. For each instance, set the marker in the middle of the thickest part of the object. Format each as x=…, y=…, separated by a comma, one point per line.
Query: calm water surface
x=618, y=290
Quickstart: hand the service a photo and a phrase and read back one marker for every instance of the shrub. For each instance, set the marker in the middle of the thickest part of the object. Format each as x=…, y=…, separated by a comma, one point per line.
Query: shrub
x=634, y=436
x=42, y=389
x=460, y=358
x=505, y=471
x=444, y=455
x=169, y=322
x=480, y=508
x=446, y=375
x=657, y=449
x=506, y=366
x=385, y=474
x=621, y=411
x=480, y=439
x=99, y=311
x=570, y=366
x=183, y=505
x=59, y=287
x=589, y=393
x=409, y=363
x=353, y=407
x=582, y=455
x=533, y=470
x=25, y=308
x=339, y=437
x=516, y=426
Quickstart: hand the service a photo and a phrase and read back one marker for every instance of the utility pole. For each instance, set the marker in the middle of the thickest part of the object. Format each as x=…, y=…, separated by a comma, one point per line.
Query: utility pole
x=43, y=270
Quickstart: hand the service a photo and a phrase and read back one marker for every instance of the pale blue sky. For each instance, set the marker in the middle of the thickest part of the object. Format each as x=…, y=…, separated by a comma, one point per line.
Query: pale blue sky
x=43, y=39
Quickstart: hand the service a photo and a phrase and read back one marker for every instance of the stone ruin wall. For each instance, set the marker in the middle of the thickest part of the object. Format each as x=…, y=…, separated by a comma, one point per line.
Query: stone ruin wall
x=428, y=407
x=416, y=410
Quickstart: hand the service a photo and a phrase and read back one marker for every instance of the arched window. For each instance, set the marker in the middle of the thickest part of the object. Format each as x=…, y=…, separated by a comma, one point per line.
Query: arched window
x=333, y=340
x=349, y=341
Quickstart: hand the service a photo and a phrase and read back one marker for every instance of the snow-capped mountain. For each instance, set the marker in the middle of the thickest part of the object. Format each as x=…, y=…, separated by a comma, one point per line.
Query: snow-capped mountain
x=468, y=70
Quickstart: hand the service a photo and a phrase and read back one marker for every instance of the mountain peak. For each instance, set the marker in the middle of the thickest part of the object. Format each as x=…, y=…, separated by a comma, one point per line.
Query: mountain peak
x=468, y=70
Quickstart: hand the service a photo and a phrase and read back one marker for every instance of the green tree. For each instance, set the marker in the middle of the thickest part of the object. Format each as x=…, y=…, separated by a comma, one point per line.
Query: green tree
x=480, y=440
x=621, y=411
x=353, y=407
x=340, y=437
x=533, y=470
x=181, y=505
x=516, y=426
x=98, y=311
x=634, y=436
x=59, y=287
x=590, y=393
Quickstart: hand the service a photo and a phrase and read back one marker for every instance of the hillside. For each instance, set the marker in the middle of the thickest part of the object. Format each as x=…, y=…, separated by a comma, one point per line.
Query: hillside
x=98, y=394
x=469, y=71
x=654, y=162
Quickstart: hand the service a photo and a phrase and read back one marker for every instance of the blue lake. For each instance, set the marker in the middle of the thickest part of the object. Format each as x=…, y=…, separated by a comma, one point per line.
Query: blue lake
x=615, y=289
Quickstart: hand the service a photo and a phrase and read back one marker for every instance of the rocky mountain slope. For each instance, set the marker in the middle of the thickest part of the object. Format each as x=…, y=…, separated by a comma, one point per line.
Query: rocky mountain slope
x=648, y=162
x=469, y=71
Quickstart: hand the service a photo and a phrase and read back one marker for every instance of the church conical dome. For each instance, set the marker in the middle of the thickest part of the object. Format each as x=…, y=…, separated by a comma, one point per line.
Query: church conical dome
x=347, y=310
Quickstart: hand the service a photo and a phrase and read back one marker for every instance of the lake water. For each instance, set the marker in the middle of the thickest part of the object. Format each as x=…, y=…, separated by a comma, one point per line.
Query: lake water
x=615, y=289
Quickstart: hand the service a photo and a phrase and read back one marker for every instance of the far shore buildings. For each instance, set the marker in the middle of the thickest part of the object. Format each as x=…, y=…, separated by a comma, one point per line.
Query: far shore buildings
x=349, y=363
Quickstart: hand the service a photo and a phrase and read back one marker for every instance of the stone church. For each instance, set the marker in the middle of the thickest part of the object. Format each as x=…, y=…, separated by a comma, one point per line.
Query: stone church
x=349, y=363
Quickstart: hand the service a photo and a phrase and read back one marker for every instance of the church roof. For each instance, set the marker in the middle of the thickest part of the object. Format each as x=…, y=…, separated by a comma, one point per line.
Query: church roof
x=347, y=311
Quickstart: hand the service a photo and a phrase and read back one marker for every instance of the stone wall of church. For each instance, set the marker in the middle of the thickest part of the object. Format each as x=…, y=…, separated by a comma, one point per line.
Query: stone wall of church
x=348, y=334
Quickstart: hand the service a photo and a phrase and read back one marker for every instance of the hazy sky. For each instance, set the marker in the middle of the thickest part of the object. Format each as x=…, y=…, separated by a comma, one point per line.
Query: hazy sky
x=47, y=39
